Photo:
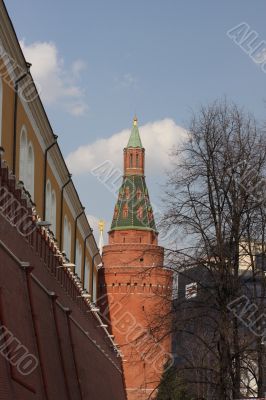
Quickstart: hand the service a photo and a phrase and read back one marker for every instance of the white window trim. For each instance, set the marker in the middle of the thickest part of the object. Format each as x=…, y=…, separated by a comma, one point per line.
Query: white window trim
x=53, y=211
x=87, y=274
x=26, y=161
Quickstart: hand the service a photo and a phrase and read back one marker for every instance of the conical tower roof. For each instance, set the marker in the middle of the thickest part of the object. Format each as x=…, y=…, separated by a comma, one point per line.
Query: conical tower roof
x=133, y=208
x=134, y=140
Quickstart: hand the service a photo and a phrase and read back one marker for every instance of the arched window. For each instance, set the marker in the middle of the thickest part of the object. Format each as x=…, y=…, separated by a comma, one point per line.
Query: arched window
x=23, y=155
x=137, y=160
x=50, y=206
x=30, y=170
x=48, y=201
x=69, y=240
x=65, y=243
x=78, y=258
x=131, y=160
x=26, y=162
x=1, y=107
x=67, y=237
x=53, y=212
x=94, y=283
x=87, y=275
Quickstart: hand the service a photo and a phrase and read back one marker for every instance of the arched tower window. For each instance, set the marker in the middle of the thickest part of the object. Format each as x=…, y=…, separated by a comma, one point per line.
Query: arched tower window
x=127, y=193
x=150, y=214
x=137, y=160
x=140, y=213
x=1, y=107
x=125, y=211
x=131, y=160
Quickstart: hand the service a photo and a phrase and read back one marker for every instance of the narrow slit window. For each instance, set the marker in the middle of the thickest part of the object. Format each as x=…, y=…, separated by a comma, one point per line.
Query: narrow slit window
x=137, y=160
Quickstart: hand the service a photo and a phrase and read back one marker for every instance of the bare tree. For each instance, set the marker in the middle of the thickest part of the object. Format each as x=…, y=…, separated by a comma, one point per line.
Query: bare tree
x=215, y=200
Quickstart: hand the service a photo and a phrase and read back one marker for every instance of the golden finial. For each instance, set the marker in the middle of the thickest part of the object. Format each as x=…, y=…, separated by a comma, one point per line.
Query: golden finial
x=135, y=121
x=101, y=225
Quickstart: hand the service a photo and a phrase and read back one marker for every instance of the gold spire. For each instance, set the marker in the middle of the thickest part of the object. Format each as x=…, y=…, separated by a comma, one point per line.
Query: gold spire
x=101, y=225
x=135, y=121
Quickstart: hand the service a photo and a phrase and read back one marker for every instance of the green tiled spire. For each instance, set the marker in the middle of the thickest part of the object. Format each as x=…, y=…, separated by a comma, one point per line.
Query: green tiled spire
x=134, y=140
x=133, y=209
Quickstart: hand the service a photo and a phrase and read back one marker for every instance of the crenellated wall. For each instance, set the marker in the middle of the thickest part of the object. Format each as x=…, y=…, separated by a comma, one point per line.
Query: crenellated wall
x=42, y=307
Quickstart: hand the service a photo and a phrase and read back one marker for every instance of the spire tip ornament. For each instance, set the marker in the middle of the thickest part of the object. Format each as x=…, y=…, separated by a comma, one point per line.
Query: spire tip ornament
x=101, y=225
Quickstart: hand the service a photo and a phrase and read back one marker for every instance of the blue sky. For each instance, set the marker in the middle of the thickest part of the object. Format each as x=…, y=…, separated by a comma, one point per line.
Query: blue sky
x=111, y=59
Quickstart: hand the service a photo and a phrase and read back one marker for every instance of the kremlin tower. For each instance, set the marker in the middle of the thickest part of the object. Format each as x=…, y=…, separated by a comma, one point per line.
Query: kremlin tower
x=134, y=287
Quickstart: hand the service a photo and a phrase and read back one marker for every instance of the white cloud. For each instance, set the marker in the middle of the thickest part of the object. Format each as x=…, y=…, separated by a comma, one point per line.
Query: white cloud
x=78, y=109
x=127, y=80
x=78, y=66
x=157, y=137
x=57, y=85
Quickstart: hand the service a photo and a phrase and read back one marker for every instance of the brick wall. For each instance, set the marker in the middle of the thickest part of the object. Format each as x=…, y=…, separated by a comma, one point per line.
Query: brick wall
x=41, y=306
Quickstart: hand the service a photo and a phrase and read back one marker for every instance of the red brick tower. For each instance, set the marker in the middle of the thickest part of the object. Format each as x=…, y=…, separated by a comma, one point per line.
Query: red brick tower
x=134, y=285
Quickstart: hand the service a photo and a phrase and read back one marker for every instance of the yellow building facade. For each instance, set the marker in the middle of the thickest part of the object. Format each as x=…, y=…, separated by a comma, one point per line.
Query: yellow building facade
x=30, y=149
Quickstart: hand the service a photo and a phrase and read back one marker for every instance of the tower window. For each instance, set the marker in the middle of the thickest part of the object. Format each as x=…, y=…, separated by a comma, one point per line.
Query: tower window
x=140, y=213
x=125, y=211
x=138, y=194
x=137, y=160
x=150, y=214
x=131, y=160
x=127, y=192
